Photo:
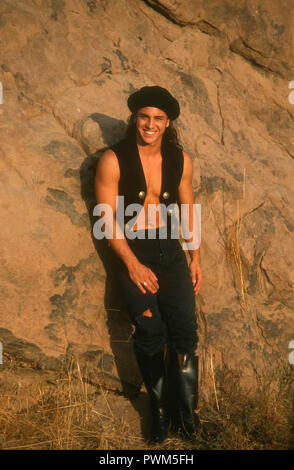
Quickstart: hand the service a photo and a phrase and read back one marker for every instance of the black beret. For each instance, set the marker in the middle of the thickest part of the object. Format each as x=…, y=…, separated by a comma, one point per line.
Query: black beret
x=156, y=97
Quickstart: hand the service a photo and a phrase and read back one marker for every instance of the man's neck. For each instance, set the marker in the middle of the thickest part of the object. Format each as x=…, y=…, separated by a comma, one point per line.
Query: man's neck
x=149, y=150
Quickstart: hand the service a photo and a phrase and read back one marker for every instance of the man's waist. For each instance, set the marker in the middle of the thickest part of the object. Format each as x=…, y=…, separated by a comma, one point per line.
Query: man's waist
x=152, y=233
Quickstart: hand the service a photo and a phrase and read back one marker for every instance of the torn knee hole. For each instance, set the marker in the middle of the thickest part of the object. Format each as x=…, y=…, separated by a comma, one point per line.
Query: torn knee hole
x=147, y=313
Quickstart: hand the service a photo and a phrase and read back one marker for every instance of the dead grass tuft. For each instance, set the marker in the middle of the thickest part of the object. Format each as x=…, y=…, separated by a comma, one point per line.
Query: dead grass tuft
x=66, y=412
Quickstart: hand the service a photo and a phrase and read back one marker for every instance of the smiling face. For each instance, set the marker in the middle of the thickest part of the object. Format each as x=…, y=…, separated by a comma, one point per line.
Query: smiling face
x=151, y=124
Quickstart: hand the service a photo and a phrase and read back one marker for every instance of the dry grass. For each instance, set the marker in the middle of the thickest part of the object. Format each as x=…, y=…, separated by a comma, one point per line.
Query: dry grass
x=258, y=418
x=232, y=246
x=67, y=412
x=233, y=250
x=63, y=414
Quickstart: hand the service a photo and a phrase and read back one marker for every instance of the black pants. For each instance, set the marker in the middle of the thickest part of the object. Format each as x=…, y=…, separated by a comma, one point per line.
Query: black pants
x=173, y=320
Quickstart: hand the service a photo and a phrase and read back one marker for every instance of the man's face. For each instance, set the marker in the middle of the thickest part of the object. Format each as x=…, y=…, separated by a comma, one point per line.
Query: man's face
x=151, y=124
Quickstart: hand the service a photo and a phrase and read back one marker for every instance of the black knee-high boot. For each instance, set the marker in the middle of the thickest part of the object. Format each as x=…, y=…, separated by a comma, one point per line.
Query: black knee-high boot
x=183, y=392
x=152, y=369
x=173, y=391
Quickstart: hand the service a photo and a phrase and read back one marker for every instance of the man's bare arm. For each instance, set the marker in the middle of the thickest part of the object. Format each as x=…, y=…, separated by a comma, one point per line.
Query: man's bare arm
x=185, y=193
x=106, y=187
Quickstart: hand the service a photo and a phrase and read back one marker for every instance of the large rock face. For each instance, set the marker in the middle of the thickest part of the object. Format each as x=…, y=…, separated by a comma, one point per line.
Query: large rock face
x=67, y=68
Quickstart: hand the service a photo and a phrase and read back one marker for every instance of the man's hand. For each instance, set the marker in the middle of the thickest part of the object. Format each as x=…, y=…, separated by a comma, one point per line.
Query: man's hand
x=143, y=277
x=196, y=275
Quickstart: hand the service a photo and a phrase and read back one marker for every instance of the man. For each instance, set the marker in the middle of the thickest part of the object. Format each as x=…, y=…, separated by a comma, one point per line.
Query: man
x=151, y=171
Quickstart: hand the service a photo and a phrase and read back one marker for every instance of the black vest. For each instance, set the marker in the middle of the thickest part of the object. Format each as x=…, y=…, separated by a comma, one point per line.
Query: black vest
x=132, y=184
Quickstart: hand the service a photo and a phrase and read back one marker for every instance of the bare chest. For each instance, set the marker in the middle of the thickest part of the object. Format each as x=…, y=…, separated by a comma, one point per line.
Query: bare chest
x=152, y=168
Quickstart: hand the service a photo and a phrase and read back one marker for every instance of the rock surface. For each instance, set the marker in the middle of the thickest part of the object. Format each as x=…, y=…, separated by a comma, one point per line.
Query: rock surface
x=66, y=70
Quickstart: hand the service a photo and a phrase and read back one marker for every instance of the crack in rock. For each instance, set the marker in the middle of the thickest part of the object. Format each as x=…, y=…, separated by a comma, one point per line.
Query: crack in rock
x=257, y=59
x=164, y=12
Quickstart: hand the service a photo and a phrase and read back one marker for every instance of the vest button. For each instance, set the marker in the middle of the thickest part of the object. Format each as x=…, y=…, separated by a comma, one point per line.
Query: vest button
x=165, y=195
x=141, y=194
x=169, y=212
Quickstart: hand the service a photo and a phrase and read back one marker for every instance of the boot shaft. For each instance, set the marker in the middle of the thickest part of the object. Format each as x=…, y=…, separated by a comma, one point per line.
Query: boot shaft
x=182, y=376
x=153, y=373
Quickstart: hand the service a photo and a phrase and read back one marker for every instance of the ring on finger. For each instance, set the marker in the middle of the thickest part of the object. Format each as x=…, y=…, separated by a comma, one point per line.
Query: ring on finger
x=145, y=283
x=138, y=284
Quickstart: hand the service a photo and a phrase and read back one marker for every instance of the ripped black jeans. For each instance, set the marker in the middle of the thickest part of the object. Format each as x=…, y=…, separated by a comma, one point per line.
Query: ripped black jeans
x=173, y=320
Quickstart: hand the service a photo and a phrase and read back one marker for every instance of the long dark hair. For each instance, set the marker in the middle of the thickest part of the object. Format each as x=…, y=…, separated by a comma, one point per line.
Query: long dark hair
x=171, y=134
